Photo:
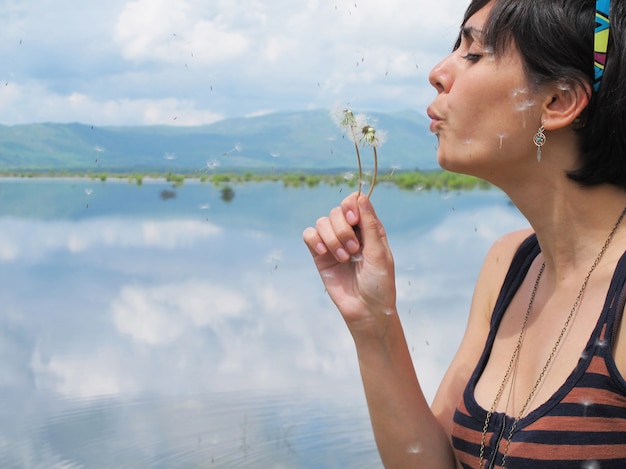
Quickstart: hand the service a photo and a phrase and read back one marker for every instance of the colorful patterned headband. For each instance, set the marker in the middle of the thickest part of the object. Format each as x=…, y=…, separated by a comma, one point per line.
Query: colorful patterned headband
x=601, y=40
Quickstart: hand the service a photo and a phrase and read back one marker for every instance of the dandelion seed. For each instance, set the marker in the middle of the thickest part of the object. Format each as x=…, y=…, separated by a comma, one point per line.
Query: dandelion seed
x=204, y=206
x=169, y=156
x=356, y=258
x=388, y=312
x=525, y=105
x=591, y=465
x=415, y=449
x=236, y=148
x=586, y=403
x=88, y=191
x=501, y=137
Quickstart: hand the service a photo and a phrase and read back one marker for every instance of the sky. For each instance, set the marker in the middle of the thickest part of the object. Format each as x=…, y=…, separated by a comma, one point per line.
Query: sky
x=195, y=62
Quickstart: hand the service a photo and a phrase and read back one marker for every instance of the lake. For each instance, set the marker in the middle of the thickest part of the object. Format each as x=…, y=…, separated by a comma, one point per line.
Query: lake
x=152, y=326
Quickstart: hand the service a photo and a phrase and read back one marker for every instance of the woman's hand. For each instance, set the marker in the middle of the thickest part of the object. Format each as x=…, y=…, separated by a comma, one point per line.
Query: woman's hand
x=352, y=255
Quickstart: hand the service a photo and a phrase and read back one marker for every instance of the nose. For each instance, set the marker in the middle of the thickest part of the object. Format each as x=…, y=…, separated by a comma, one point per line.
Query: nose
x=440, y=76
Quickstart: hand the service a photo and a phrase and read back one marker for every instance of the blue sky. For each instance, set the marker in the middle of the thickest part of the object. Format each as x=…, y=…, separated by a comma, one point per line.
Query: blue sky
x=191, y=62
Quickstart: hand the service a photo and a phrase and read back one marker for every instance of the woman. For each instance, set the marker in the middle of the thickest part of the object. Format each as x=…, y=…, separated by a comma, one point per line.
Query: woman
x=538, y=378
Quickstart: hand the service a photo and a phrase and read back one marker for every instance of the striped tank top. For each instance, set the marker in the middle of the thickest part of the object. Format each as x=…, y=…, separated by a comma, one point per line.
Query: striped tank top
x=583, y=425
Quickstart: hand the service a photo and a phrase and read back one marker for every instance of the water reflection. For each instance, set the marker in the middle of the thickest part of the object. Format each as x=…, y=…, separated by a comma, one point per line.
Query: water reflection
x=137, y=332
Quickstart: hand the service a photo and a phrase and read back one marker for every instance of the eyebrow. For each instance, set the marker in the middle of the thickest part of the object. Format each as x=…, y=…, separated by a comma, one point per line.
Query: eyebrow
x=471, y=33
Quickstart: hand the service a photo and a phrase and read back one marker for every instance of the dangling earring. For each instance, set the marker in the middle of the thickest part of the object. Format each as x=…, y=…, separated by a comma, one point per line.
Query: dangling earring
x=540, y=140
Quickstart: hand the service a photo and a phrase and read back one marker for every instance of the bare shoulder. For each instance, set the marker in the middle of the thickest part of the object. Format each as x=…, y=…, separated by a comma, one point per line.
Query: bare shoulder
x=502, y=251
x=494, y=269
x=487, y=289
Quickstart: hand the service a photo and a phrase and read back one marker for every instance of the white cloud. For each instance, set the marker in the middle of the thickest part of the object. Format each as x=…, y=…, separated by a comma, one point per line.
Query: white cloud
x=100, y=372
x=160, y=314
x=145, y=62
x=32, y=103
x=170, y=31
x=23, y=239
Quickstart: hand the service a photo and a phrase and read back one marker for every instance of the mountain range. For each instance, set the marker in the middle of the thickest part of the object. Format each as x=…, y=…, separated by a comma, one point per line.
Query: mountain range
x=304, y=140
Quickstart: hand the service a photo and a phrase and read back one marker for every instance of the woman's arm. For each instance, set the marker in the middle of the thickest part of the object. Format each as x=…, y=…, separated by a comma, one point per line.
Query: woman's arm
x=363, y=287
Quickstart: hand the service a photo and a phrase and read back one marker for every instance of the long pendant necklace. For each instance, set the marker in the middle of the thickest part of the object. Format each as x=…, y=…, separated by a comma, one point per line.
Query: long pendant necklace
x=518, y=346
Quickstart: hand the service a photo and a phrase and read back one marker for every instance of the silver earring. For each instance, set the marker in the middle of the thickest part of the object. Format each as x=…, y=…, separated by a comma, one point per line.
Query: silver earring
x=540, y=140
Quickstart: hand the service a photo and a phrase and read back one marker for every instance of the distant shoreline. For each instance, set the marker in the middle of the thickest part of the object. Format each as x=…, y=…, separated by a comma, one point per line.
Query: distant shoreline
x=408, y=180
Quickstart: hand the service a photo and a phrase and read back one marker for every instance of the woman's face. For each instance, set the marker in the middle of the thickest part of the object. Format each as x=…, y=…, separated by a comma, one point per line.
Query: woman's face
x=484, y=114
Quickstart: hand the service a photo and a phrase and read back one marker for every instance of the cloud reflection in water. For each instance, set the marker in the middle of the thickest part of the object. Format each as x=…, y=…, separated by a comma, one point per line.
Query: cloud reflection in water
x=175, y=341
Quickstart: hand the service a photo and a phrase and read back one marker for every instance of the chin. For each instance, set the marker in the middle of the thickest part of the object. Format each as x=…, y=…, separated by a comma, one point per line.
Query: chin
x=456, y=164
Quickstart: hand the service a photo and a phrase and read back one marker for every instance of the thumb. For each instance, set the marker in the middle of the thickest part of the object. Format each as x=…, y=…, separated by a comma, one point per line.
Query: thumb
x=372, y=230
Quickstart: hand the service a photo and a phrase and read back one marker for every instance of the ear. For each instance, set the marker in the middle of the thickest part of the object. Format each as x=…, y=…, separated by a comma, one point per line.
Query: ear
x=564, y=103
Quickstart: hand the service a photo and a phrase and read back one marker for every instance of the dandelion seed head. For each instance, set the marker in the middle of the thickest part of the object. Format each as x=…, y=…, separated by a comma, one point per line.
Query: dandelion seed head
x=372, y=137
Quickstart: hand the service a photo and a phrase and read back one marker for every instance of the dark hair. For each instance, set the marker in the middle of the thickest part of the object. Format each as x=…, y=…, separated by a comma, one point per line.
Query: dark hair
x=555, y=39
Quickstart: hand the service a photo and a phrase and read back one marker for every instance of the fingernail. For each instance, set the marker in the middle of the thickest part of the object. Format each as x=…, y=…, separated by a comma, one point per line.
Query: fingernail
x=352, y=246
x=364, y=204
x=351, y=217
x=320, y=248
x=342, y=255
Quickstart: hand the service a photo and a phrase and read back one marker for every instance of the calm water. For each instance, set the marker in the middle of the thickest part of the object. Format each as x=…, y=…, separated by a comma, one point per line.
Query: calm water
x=140, y=329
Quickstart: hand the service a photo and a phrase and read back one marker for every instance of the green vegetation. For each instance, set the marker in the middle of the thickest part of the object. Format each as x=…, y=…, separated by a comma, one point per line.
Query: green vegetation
x=407, y=180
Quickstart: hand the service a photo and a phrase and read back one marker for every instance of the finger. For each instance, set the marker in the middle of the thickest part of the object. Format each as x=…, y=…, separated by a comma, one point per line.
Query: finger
x=350, y=208
x=314, y=242
x=327, y=234
x=344, y=230
x=372, y=230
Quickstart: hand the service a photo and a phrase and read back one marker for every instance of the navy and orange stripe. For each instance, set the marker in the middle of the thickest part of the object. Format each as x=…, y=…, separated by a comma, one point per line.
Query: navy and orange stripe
x=582, y=426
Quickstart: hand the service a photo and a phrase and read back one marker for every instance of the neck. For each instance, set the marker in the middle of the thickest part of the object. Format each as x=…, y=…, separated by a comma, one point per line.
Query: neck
x=571, y=222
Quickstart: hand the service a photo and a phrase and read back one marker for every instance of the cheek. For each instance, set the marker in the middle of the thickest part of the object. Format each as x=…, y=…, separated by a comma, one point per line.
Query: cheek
x=524, y=106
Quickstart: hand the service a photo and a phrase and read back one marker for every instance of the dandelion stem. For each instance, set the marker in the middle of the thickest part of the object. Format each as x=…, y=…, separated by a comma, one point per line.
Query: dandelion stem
x=358, y=157
x=375, y=175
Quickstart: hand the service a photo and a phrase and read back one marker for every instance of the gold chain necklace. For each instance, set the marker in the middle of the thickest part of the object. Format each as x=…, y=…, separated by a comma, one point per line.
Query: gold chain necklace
x=518, y=346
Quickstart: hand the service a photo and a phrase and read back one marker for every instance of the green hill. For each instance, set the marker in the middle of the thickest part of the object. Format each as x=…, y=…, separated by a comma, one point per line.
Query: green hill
x=306, y=140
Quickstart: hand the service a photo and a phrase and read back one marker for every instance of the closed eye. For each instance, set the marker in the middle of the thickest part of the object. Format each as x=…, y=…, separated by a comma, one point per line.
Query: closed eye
x=472, y=57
